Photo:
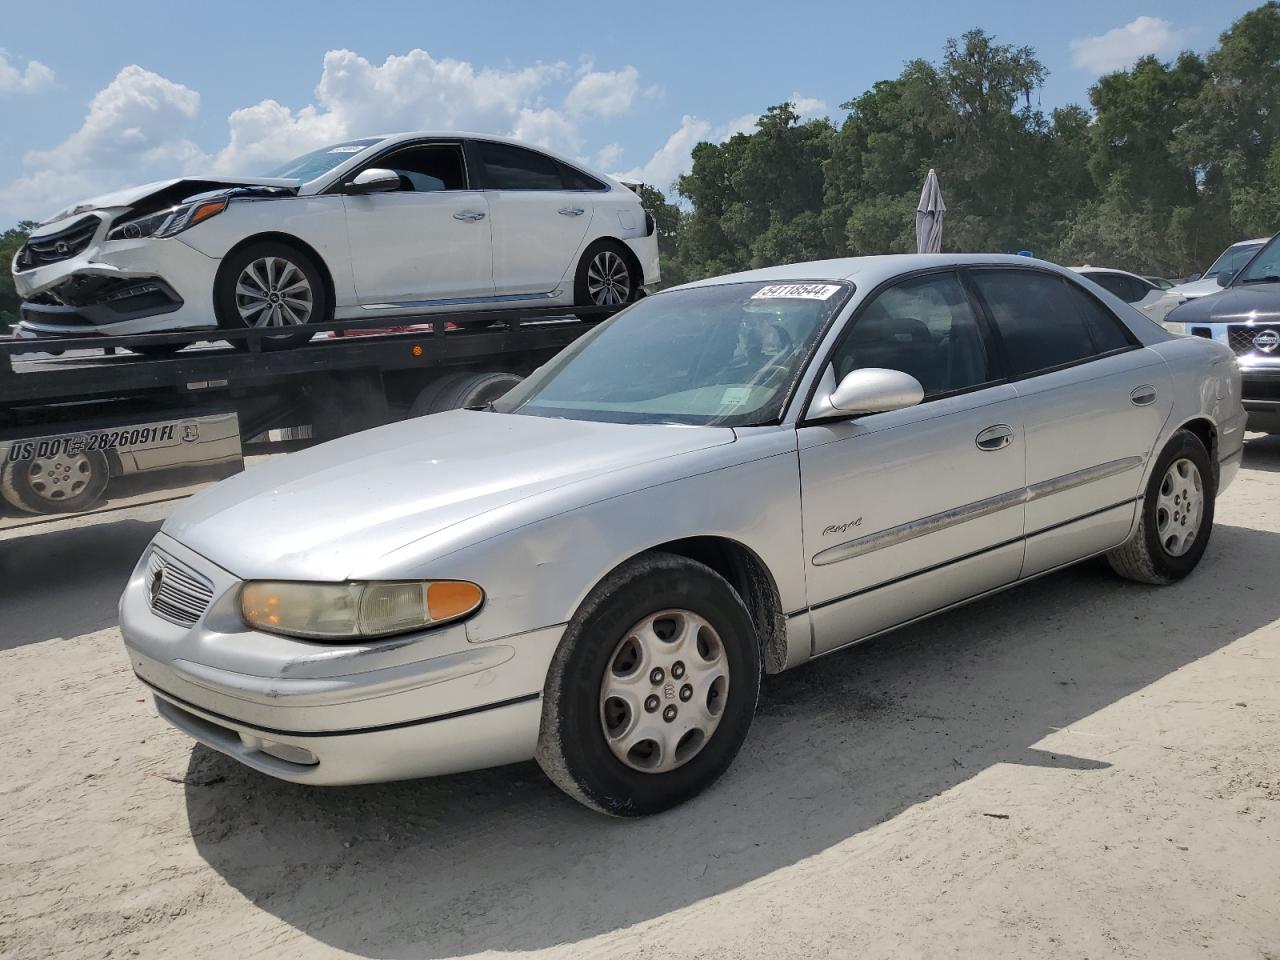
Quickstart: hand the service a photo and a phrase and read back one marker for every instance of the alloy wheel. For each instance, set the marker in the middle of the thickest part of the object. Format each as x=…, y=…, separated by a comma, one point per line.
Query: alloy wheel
x=663, y=691
x=608, y=279
x=274, y=292
x=1179, y=507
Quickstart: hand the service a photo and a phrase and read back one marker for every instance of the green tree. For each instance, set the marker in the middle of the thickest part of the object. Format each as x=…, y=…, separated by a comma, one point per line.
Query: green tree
x=10, y=241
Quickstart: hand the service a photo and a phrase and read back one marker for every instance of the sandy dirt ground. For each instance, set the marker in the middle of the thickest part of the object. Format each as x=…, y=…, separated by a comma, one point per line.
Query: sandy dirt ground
x=1078, y=768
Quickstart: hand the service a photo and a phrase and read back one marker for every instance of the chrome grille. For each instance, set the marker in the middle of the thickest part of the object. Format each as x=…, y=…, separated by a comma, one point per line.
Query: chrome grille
x=177, y=592
x=1242, y=339
x=63, y=245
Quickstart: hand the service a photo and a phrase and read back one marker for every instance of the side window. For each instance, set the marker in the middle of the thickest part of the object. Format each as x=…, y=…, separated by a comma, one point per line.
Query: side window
x=428, y=168
x=1110, y=282
x=924, y=327
x=577, y=180
x=514, y=168
x=1105, y=328
x=1040, y=326
x=1137, y=289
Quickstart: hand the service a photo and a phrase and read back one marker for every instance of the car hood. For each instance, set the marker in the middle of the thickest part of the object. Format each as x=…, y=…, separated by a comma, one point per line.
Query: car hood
x=1196, y=288
x=1242, y=303
x=332, y=511
x=163, y=193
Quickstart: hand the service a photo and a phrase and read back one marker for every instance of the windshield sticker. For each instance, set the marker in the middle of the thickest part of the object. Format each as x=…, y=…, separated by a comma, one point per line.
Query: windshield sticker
x=353, y=148
x=796, y=291
x=733, y=396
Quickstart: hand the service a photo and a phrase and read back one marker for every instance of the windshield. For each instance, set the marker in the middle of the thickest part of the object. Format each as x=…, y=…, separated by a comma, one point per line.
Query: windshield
x=319, y=162
x=1265, y=266
x=725, y=355
x=1232, y=259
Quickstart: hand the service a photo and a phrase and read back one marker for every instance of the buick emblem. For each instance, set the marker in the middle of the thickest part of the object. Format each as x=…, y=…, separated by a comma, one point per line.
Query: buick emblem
x=157, y=581
x=1266, y=340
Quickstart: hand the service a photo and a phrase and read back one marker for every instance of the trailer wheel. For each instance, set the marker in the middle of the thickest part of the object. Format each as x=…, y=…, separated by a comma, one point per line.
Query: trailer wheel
x=62, y=483
x=271, y=285
x=456, y=390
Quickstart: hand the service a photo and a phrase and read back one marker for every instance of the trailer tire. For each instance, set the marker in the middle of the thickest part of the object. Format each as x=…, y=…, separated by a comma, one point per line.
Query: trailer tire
x=64, y=483
x=456, y=390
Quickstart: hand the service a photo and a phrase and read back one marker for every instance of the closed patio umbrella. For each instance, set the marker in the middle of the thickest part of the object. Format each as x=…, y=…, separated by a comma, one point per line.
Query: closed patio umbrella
x=929, y=216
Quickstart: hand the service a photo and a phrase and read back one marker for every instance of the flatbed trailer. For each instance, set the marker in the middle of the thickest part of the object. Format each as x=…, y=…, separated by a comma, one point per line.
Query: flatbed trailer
x=87, y=425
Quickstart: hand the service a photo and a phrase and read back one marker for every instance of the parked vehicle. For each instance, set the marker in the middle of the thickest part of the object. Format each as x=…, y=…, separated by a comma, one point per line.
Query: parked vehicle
x=400, y=225
x=1245, y=315
x=1160, y=282
x=595, y=569
x=1229, y=261
x=1129, y=287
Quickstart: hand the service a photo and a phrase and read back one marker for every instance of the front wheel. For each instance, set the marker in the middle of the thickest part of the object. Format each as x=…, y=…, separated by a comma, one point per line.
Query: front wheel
x=605, y=277
x=652, y=690
x=1177, y=516
x=271, y=286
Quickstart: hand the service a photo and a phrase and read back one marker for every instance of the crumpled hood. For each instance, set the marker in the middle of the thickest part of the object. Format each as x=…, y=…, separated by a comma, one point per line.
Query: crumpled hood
x=330, y=512
x=175, y=191
x=1242, y=303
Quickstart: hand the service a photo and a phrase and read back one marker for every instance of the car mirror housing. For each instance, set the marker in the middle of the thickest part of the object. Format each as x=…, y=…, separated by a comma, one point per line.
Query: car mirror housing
x=374, y=180
x=869, y=390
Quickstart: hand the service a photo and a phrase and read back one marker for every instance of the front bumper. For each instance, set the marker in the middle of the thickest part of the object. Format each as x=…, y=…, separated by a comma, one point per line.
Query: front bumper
x=118, y=288
x=409, y=706
x=1260, y=391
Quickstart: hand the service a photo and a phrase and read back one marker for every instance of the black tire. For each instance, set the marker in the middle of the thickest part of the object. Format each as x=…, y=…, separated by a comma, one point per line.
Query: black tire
x=1144, y=557
x=572, y=748
x=601, y=250
x=84, y=476
x=464, y=389
x=225, y=297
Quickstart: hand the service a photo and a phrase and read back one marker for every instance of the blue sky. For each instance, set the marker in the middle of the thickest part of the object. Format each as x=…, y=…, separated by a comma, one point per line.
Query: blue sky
x=96, y=96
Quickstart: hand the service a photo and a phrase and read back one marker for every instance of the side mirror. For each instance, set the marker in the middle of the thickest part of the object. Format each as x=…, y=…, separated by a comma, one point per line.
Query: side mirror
x=374, y=180
x=869, y=390
x=1194, y=277
x=1225, y=278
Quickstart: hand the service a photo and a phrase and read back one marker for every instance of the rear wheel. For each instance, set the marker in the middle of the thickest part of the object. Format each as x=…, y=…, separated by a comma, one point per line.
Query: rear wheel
x=605, y=277
x=464, y=389
x=61, y=483
x=652, y=689
x=274, y=286
x=1177, y=516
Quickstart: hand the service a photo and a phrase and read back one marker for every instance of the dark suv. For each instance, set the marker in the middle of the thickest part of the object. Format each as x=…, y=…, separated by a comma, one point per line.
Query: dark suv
x=1245, y=315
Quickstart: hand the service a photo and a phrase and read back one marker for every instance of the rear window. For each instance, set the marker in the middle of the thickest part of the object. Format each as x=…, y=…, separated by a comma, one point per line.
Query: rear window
x=507, y=167
x=1036, y=318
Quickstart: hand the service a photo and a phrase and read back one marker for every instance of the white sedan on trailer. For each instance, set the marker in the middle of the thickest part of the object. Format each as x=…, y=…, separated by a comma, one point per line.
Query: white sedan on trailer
x=596, y=569
x=398, y=225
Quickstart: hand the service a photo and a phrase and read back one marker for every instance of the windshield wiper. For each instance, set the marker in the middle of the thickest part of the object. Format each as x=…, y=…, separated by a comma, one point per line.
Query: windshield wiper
x=1272, y=279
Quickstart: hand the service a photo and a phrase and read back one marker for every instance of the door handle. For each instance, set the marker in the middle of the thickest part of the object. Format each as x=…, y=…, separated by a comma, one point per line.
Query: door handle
x=996, y=437
x=571, y=211
x=1143, y=396
x=469, y=215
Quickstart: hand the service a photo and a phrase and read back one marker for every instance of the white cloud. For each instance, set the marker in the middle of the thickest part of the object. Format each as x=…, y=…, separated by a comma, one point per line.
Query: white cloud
x=607, y=156
x=31, y=79
x=604, y=93
x=808, y=106
x=672, y=159
x=1120, y=47
x=133, y=131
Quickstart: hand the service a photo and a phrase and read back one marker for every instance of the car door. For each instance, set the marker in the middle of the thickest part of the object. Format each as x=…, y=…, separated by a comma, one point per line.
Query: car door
x=1093, y=401
x=538, y=224
x=908, y=511
x=426, y=244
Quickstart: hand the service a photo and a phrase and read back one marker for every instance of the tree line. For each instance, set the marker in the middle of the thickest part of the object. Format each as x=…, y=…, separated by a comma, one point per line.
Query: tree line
x=1174, y=161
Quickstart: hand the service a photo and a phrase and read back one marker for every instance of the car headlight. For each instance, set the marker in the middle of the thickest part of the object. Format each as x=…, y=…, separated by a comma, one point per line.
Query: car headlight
x=168, y=222
x=351, y=611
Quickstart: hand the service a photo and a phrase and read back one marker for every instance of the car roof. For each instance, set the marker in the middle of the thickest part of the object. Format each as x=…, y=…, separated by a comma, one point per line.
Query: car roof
x=869, y=271
x=390, y=139
x=1092, y=269
x=1248, y=243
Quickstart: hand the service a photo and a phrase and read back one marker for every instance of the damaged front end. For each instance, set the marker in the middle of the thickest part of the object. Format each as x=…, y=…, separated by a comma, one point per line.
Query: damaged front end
x=105, y=262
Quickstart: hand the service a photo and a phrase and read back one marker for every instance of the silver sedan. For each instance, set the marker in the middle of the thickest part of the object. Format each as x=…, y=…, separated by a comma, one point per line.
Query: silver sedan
x=724, y=480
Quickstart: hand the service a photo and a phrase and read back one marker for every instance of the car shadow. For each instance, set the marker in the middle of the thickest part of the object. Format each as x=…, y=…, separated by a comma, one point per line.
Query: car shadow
x=500, y=860
x=65, y=583
x=1262, y=452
